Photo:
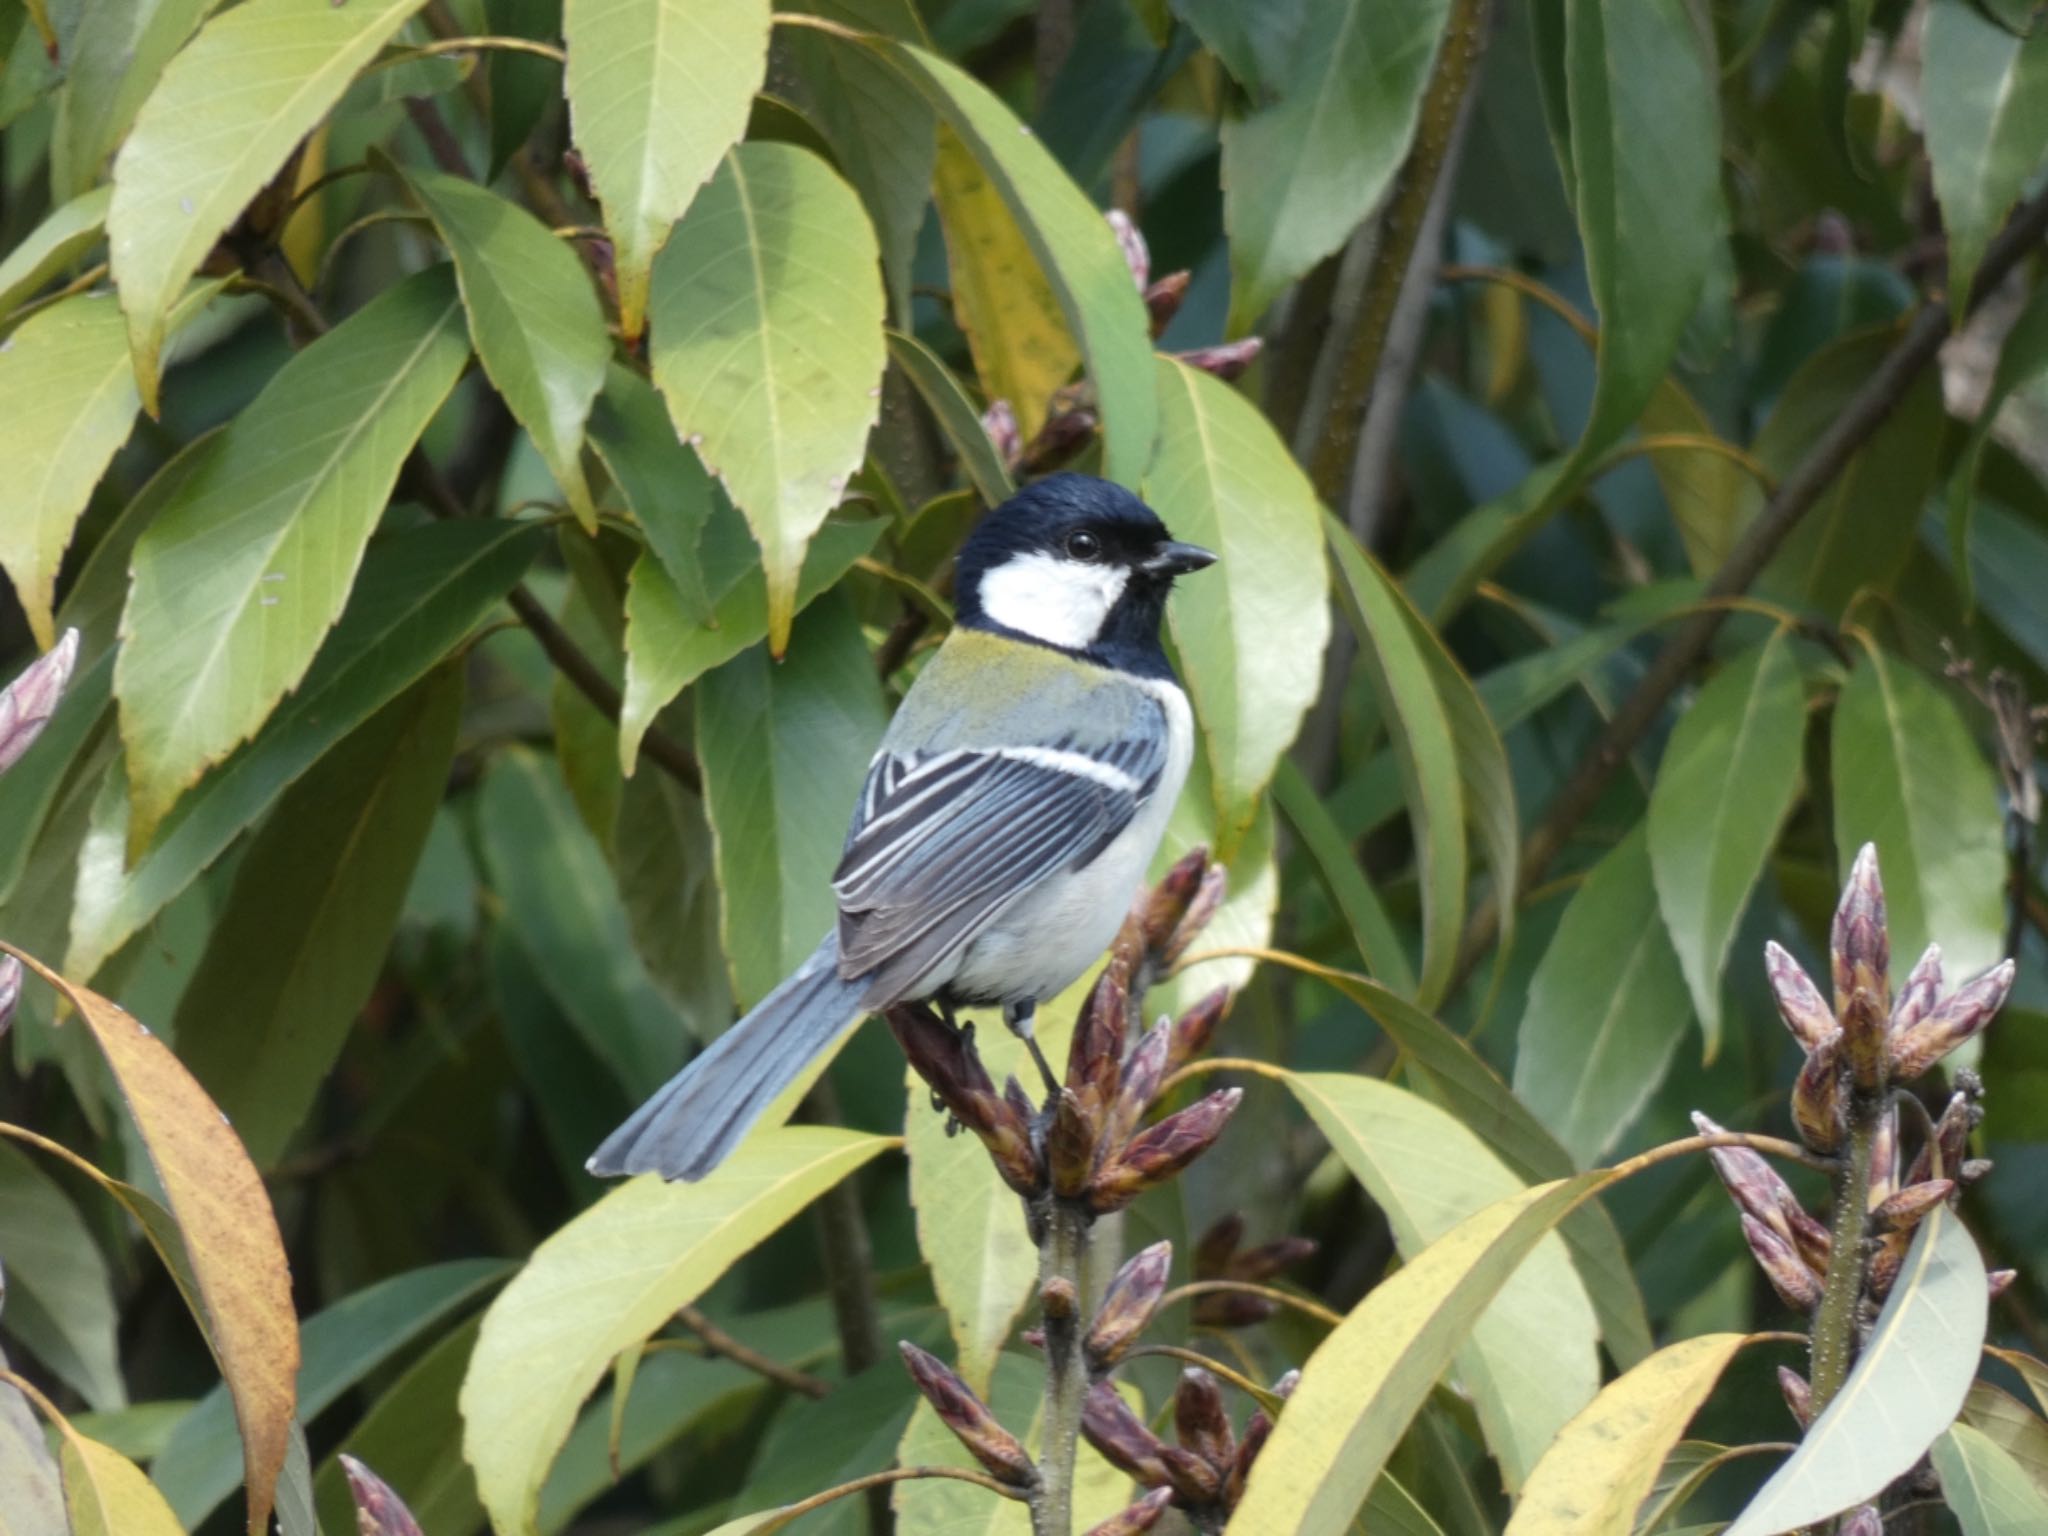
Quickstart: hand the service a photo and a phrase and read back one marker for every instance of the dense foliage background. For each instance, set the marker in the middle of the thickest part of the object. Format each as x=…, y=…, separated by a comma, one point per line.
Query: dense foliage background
x=501, y=460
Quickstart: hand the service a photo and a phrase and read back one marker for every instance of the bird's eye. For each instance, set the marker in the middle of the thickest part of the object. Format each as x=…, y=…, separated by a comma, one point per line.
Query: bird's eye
x=1084, y=546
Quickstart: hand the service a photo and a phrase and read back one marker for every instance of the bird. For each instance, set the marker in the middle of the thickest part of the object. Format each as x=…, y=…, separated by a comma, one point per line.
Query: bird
x=1006, y=820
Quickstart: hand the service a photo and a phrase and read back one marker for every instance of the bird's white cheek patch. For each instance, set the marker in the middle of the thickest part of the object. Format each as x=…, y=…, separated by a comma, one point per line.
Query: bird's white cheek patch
x=1062, y=602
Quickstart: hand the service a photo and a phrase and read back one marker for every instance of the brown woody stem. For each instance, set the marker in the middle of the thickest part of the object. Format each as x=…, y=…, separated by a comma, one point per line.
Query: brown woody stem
x=1062, y=1260
x=1834, y=1320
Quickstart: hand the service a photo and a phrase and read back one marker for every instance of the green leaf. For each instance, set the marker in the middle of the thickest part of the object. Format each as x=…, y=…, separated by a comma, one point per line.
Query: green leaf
x=785, y=748
x=1607, y=1008
x=1301, y=175
x=1532, y=1360
x=533, y=316
x=884, y=138
x=665, y=485
x=1075, y=249
x=1906, y=1387
x=412, y=1436
x=28, y=1469
x=662, y=855
x=339, y=1347
x=1646, y=136
x=1909, y=778
x=113, y=63
x=1861, y=532
x=1986, y=93
x=106, y=1493
x=2015, y=1428
x=1402, y=678
x=1320, y=836
x=561, y=899
x=239, y=579
x=302, y=938
x=667, y=650
x=1366, y=1380
x=219, y=123
x=67, y=233
x=1229, y=483
x=955, y=414
x=1452, y=1074
x=67, y=402
x=60, y=1301
x=607, y=1280
x=658, y=91
x=1600, y=1469
x=1730, y=773
x=420, y=594
x=1989, y=1492
x=2021, y=359
x=767, y=314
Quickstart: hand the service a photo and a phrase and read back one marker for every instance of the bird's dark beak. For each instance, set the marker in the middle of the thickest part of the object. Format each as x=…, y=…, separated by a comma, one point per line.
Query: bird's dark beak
x=1176, y=559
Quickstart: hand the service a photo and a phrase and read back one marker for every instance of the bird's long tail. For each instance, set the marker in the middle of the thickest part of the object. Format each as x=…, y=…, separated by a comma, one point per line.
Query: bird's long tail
x=698, y=1116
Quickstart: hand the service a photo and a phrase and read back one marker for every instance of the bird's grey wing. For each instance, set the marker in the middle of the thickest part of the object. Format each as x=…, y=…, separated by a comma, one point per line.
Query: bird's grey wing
x=944, y=840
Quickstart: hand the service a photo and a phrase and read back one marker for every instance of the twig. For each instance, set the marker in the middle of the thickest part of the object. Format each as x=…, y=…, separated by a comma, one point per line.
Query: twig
x=874, y=1480
x=718, y=1342
x=1062, y=1271
x=1272, y=1293
x=1265, y=1397
x=1798, y=492
x=1834, y=1320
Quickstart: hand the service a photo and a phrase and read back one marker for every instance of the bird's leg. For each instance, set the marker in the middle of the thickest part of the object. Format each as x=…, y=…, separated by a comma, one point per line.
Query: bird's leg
x=938, y=1104
x=1019, y=1016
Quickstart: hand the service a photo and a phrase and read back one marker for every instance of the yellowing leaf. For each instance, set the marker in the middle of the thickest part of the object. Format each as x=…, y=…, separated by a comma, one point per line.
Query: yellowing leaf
x=767, y=314
x=221, y=122
x=658, y=91
x=108, y=1495
x=1001, y=297
x=1598, y=1471
x=606, y=1281
x=231, y=1237
x=1986, y=1487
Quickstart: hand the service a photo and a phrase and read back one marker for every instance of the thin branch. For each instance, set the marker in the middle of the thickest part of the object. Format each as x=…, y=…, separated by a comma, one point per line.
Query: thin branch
x=717, y=1342
x=1265, y=1397
x=784, y=1516
x=1867, y=410
x=1272, y=1293
x=486, y=44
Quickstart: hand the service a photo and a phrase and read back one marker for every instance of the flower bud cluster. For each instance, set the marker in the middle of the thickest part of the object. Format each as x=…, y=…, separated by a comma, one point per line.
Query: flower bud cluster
x=1218, y=1256
x=1203, y=1473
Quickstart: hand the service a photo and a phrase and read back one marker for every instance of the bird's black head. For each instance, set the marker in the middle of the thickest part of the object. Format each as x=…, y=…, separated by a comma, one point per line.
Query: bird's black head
x=1078, y=564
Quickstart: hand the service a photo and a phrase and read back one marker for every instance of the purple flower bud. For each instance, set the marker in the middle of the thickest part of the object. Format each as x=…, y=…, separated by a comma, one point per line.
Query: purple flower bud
x=1999, y=1281
x=1884, y=1159
x=1058, y=1300
x=1860, y=945
x=1157, y=1154
x=1950, y=1022
x=1144, y=1070
x=379, y=1511
x=1973, y=1169
x=1798, y=1395
x=946, y=1059
x=1269, y=1259
x=1284, y=1387
x=1200, y=1419
x=1131, y=241
x=1213, y=1252
x=1904, y=1209
x=1257, y=1429
x=1207, y=902
x=1095, y=1060
x=1161, y=909
x=1226, y=360
x=1921, y=991
x=1886, y=1261
x=1863, y=1520
x=999, y=421
x=1951, y=1140
x=28, y=702
x=1137, y=1518
x=1817, y=1097
x=1800, y=1004
x=1071, y=1145
x=1128, y=1305
x=1232, y=1309
x=1194, y=1480
x=1865, y=1045
x=1164, y=298
x=1193, y=1030
x=969, y=1419
x=1782, y=1266
x=10, y=991
x=1064, y=434
x=1751, y=1182
x=1121, y=1438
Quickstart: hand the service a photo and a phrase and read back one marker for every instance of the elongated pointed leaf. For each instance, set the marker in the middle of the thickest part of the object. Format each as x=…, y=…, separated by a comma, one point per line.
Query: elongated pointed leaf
x=1990, y=1492
x=67, y=402
x=412, y=1435
x=420, y=594
x=1904, y=1390
x=767, y=314
x=1003, y=301
x=533, y=317
x=1532, y=1360
x=1365, y=1381
x=114, y=61
x=1301, y=175
x=1228, y=483
x=1415, y=716
x=107, y=1495
x=239, y=579
x=1606, y=1010
x=303, y=936
x=1371, y=929
x=1730, y=773
x=2022, y=358
x=1909, y=778
x=70, y=230
x=658, y=91
x=28, y=1468
x=955, y=414
x=230, y=1233
x=2013, y=1427
x=1645, y=137
x=343, y=1345
x=1986, y=89
x=785, y=749
x=611, y=1277
x=665, y=485
x=1600, y=1469
x=222, y=120
x=60, y=1301
x=1075, y=249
